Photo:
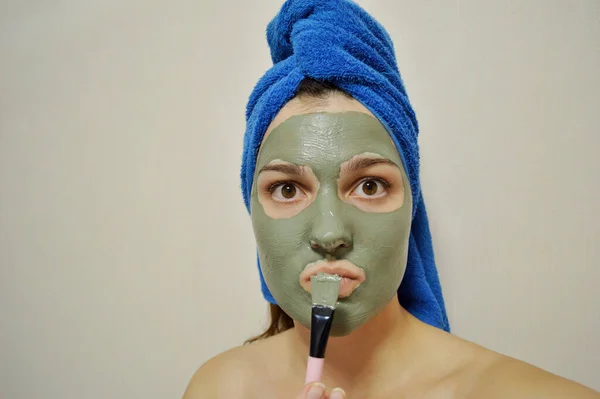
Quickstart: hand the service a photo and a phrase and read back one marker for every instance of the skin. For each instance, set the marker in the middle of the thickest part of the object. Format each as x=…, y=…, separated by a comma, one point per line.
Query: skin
x=391, y=355
x=330, y=215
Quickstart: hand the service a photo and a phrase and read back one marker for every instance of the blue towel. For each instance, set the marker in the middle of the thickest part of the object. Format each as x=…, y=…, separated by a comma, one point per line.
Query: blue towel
x=338, y=42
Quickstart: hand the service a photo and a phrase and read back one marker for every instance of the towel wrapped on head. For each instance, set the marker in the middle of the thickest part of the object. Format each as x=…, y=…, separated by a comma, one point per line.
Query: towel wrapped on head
x=338, y=42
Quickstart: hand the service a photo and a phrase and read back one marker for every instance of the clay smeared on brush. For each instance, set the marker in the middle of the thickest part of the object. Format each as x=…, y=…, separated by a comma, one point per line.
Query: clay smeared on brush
x=325, y=289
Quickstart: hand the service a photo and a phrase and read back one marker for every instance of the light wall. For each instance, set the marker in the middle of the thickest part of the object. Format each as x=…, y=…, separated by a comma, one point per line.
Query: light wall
x=127, y=257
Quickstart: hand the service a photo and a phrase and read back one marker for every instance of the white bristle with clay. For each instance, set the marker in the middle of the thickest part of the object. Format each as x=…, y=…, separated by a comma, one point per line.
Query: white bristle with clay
x=325, y=289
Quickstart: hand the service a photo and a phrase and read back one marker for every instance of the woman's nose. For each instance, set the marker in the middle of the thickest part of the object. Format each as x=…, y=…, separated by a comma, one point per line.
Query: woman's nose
x=330, y=236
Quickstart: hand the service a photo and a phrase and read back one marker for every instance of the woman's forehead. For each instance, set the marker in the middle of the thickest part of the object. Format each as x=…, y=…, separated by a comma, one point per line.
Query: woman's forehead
x=327, y=137
x=334, y=103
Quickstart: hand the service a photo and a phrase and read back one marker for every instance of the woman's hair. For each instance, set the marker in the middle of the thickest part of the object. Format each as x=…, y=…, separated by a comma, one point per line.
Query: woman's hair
x=319, y=90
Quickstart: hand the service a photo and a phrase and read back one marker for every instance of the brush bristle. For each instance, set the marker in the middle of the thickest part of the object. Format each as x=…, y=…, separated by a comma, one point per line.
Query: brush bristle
x=325, y=289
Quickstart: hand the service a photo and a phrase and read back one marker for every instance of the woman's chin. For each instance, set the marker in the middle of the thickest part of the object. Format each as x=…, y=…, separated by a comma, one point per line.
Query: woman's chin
x=344, y=325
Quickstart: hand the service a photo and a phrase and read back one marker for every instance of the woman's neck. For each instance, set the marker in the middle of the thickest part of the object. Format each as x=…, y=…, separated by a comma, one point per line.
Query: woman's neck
x=391, y=337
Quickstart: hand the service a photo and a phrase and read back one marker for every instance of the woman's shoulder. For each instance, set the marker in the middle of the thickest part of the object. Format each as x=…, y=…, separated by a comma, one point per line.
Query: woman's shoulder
x=213, y=378
x=234, y=372
x=508, y=377
x=483, y=373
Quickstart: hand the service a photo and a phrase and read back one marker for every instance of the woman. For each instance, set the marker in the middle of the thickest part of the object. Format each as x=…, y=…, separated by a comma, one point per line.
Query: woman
x=330, y=176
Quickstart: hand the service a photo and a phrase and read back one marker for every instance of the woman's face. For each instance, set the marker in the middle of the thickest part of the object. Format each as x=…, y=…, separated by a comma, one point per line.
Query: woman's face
x=330, y=194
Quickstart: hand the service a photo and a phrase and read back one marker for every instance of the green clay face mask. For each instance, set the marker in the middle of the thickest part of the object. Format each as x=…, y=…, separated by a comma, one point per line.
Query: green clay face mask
x=330, y=192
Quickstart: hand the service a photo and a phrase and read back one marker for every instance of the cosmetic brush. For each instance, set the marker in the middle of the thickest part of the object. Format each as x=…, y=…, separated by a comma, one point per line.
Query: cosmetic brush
x=325, y=289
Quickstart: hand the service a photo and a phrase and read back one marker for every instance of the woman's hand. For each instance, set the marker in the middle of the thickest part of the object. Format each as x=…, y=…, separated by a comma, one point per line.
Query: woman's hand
x=317, y=390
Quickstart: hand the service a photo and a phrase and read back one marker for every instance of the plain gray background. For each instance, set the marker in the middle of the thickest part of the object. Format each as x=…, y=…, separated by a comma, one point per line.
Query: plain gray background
x=127, y=258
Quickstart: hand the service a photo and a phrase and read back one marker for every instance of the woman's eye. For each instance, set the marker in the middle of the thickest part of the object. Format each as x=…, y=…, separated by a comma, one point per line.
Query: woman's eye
x=370, y=188
x=286, y=192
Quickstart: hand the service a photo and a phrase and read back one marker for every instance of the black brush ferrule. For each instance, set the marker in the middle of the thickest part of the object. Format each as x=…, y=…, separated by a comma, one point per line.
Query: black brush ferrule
x=320, y=326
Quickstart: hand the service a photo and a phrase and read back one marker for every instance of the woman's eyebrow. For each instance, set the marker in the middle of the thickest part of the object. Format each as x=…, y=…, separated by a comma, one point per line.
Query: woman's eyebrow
x=287, y=168
x=356, y=164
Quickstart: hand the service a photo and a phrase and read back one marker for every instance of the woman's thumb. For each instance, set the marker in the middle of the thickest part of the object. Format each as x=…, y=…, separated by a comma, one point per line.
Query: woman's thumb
x=314, y=390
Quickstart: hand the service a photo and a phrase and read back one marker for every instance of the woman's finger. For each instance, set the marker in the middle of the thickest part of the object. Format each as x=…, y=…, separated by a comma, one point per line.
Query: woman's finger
x=315, y=390
x=337, y=393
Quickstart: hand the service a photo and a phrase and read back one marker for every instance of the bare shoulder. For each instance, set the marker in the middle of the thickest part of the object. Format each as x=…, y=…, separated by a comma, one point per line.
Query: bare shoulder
x=213, y=378
x=233, y=373
x=510, y=378
x=482, y=373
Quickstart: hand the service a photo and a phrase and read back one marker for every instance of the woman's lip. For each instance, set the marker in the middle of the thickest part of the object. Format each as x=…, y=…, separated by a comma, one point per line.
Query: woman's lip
x=352, y=276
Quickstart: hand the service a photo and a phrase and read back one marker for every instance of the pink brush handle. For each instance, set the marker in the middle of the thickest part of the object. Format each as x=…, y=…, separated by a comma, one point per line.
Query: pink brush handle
x=314, y=369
